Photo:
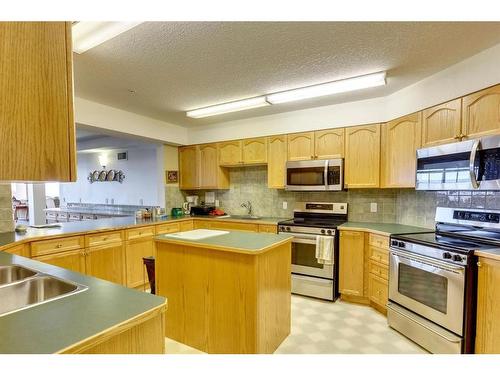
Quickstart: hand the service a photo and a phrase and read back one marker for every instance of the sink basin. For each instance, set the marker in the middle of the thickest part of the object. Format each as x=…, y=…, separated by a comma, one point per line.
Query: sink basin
x=34, y=291
x=245, y=217
x=12, y=273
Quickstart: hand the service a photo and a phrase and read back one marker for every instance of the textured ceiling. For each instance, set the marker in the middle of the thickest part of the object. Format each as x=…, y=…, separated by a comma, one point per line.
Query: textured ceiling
x=176, y=66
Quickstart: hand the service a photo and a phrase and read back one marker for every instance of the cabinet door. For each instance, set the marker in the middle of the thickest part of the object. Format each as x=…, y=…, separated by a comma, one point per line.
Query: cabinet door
x=36, y=102
x=209, y=166
x=134, y=252
x=276, y=166
x=188, y=167
x=255, y=151
x=351, y=263
x=481, y=113
x=106, y=262
x=488, y=307
x=362, y=156
x=329, y=144
x=400, y=140
x=442, y=123
x=72, y=260
x=301, y=146
x=230, y=153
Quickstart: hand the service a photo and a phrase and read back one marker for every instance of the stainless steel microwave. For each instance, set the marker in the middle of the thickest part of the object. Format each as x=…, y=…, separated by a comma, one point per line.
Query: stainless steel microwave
x=468, y=165
x=315, y=175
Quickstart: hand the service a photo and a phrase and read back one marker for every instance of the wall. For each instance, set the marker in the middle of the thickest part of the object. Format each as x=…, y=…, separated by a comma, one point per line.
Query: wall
x=6, y=217
x=142, y=179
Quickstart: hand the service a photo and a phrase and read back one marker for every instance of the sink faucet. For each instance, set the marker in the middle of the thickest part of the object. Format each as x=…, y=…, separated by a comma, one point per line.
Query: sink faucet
x=248, y=206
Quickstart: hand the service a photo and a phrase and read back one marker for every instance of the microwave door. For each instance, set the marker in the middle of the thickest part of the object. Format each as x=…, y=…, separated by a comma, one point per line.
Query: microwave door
x=484, y=166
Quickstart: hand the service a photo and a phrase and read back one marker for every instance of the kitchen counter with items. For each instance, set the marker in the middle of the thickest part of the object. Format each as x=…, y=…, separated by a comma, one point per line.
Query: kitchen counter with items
x=90, y=321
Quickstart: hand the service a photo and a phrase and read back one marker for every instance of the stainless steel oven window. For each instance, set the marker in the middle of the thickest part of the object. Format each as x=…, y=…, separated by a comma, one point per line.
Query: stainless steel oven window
x=304, y=254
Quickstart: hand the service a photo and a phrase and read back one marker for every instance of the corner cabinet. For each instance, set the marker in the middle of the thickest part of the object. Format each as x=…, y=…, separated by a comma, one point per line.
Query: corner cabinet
x=36, y=102
x=442, y=123
x=352, y=264
x=481, y=113
x=362, y=156
x=400, y=140
x=276, y=166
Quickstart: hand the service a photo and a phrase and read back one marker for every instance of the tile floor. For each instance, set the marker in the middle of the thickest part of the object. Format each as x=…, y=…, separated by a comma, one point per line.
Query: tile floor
x=320, y=327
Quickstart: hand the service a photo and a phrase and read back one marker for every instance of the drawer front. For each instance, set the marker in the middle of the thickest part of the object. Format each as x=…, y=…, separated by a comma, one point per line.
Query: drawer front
x=186, y=225
x=56, y=246
x=168, y=228
x=379, y=255
x=234, y=226
x=88, y=217
x=379, y=241
x=75, y=217
x=378, y=290
x=379, y=270
x=62, y=215
x=51, y=215
x=266, y=228
x=202, y=224
x=103, y=238
x=142, y=232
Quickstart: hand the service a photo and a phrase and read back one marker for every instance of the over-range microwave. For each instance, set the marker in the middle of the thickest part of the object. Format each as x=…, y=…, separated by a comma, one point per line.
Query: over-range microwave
x=468, y=165
x=315, y=175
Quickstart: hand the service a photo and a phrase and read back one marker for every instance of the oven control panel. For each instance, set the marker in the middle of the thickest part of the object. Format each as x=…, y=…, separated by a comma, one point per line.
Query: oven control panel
x=306, y=230
x=448, y=256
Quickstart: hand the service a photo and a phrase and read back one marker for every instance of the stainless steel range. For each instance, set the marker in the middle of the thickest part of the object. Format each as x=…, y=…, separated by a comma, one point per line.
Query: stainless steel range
x=310, y=220
x=432, y=279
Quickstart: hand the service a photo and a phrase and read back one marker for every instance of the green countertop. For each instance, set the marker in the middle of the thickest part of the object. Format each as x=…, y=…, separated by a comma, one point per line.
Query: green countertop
x=386, y=228
x=55, y=325
x=236, y=241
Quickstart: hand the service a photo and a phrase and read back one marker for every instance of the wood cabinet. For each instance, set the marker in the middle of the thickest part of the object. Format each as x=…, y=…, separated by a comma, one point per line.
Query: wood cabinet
x=186, y=225
x=106, y=262
x=140, y=244
x=442, y=123
x=22, y=250
x=58, y=245
x=254, y=151
x=488, y=307
x=73, y=260
x=268, y=228
x=300, y=146
x=230, y=225
x=36, y=95
x=351, y=263
x=329, y=144
x=400, y=140
x=362, y=156
x=378, y=271
x=481, y=113
x=168, y=228
x=230, y=153
x=188, y=167
x=276, y=165
x=212, y=176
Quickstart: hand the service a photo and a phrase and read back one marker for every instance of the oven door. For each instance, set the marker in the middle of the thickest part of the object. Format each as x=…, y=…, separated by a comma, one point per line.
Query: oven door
x=304, y=260
x=428, y=287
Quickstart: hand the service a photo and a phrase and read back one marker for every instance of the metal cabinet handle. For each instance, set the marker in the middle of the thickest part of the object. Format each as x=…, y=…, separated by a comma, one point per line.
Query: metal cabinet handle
x=58, y=245
x=479, y=265
x=472, y=162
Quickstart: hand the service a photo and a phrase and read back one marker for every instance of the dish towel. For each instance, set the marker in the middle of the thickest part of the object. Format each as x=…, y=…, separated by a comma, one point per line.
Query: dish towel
x=324, y=249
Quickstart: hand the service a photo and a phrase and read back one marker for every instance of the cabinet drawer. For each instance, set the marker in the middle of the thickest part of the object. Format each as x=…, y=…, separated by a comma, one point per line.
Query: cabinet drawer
x=186, y=225
x=89, y=217
x=234, y=226
x=56, y=246
x=141, y=232
x=268, y=228
x=379, y=270
x=379, y=241
x=378, y=290
x=379, y=255
x=202, y=224
x=103, y=238
x=168, y=228
x=22, y=250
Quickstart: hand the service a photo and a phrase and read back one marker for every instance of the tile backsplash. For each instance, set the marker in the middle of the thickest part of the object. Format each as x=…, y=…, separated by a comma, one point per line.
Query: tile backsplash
x=6, y=218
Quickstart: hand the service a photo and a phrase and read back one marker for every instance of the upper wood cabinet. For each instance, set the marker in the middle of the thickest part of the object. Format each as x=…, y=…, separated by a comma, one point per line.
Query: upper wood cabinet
x=352, y=263
x=301, y=146
x=276, y=166
x=481, y=113
x=329, y=144
x=188, y=167
x=400, y=140
x=362, y=156
x=36, y=102
x=442, y=123
x=230, y=153
x=254, y=150
x=212, y=176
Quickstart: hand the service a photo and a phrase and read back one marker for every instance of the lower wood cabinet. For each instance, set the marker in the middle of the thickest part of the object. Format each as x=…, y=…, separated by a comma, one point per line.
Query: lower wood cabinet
x=22, y=250
x=139, y=244
x=351, y=263
x=378, y=290
x=186, y=225
x=72, y=260
x=106, y=262
x=268, y=228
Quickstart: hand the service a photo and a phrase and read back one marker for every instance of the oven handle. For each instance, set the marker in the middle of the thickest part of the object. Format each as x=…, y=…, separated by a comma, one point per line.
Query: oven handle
x=302, y=240
x=427, y=261
x=472, y=162
x=325, y=174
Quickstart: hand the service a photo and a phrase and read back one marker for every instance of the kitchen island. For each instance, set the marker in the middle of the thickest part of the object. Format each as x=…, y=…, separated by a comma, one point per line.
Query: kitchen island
x=229, y=293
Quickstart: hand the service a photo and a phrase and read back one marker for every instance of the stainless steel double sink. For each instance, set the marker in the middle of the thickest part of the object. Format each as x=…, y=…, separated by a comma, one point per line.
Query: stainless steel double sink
x=22, y=288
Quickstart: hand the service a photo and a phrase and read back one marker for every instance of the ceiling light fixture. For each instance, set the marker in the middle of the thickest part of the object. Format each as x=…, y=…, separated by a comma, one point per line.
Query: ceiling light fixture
x=87, y=35
x=335, y=87
x=238, y=105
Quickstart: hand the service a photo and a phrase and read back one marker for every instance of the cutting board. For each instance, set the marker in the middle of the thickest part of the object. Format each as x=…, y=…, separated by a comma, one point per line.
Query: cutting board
x=197, y=234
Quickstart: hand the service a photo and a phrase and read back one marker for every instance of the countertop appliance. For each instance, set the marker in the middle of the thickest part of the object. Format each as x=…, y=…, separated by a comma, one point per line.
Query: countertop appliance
x=433, y=276
x=315, y=175
x=201, y=210
x=468, y=165
x=310, y=220
x=191, y=201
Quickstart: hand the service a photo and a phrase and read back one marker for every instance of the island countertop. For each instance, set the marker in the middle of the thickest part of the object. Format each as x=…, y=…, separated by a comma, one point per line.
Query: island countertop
x=56, y=325
x=233, y=241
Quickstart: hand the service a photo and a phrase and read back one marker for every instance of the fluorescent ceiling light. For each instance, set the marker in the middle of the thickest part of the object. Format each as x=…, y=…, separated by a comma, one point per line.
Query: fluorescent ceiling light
x=87, y=35
x=349, y=84
x=218, y=109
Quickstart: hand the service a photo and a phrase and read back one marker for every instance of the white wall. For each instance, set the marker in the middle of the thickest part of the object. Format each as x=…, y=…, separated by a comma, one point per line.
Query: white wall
x=142, y=179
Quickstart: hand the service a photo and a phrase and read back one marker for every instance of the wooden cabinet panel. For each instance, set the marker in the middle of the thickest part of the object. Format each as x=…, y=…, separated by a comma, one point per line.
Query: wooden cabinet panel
x=106, y=262
x=351, y=263
x=168, y=228
x=379, y=270
x=488, y=307
x=36, y=96
x=379, y=255
x=230, y=153
x=268, y=228
x=379, y=241
x=362, y=156
x=72, y=260
x=255, y=150
x=57, y=245
x=212, y=176
x=135, y=233
x=22, y=250
x=329, y=144
x=276, y=165
x=135, y=250
x=378, y=290
x=217, y=224
x=188, y=167
x=301, y=146
x=481, y=113
x=186, y=225
x=400, y=140
x=202, y=224
x=442, y=123
x=103, y=238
